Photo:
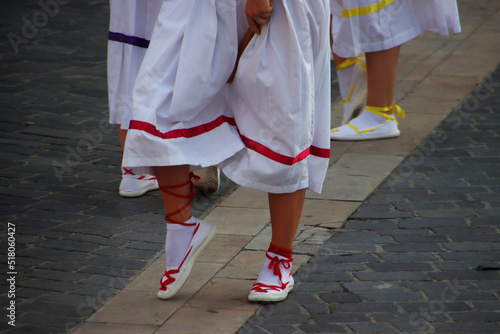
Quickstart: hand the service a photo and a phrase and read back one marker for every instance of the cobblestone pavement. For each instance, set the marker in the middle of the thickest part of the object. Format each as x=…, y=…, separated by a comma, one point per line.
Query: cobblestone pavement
x=422, y=254
x=76, y=241
x=405, y=262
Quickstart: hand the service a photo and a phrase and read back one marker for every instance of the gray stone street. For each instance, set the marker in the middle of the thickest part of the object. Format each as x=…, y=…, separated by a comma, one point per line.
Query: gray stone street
x=77, y=241
x=412, y=248
x=422, y=254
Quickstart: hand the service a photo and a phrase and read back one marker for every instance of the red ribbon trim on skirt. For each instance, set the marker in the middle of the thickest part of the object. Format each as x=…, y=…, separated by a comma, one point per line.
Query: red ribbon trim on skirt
x=249, y=143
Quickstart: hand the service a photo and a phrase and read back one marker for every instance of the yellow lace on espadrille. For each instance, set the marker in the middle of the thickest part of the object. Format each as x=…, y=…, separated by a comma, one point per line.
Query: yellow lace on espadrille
x=349, y=62
x=381, y=111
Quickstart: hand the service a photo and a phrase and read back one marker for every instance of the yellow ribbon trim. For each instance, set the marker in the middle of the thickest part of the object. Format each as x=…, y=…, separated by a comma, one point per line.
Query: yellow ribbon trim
x=367, y=9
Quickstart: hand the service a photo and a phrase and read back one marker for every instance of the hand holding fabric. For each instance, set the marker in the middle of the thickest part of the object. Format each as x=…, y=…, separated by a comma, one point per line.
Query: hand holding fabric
x=258, y=13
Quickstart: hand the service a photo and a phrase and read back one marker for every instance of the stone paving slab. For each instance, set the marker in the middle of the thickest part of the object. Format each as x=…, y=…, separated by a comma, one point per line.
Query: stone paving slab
x=435, y=268
x=280, y=322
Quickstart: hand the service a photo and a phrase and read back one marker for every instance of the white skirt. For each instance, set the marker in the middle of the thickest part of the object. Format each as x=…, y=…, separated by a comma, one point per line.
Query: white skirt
x=269, y=130
x=375, y=25
x=130, y=29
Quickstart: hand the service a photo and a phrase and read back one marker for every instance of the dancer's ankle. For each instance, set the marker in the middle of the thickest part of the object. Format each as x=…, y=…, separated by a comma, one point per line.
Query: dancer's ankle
x=287, y=253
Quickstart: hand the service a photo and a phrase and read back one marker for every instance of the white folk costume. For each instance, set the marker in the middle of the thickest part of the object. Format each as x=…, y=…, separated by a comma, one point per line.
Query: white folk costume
x=269, y=129
x=130, y=29
x=362, y=26
x=375, y=25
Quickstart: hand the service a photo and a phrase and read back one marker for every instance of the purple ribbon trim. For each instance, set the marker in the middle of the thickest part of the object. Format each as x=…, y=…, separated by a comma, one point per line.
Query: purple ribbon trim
x=132, y=40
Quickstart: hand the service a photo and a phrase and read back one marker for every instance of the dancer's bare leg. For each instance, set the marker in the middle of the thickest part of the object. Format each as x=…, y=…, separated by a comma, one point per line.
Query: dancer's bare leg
x=376, y=121
x=286, y=210
x=123, y=135
x=187, y=236
x=170, y=177
x=381, y=72
x=275, y=280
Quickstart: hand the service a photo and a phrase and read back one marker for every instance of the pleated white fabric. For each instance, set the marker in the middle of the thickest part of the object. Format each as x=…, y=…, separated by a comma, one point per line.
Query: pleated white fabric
x=375, y=25
x=269, y=130
x=130, y=29
x=281, y=101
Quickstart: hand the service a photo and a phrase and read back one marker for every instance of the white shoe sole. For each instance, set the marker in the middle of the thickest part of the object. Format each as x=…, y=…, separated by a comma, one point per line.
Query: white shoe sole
x=381, y=131
x=271, y=297
x=365, y=136
x=139, y=192
x=189, y=265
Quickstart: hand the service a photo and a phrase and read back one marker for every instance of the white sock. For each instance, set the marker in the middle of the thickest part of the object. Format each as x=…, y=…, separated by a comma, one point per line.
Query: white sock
x=367, y=120
x=178, y=240
x=350, y=81
x=345, y=77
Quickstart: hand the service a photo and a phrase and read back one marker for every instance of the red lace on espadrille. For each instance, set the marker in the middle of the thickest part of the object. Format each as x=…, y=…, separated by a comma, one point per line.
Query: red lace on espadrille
x=279, y=261
x=175, y=277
